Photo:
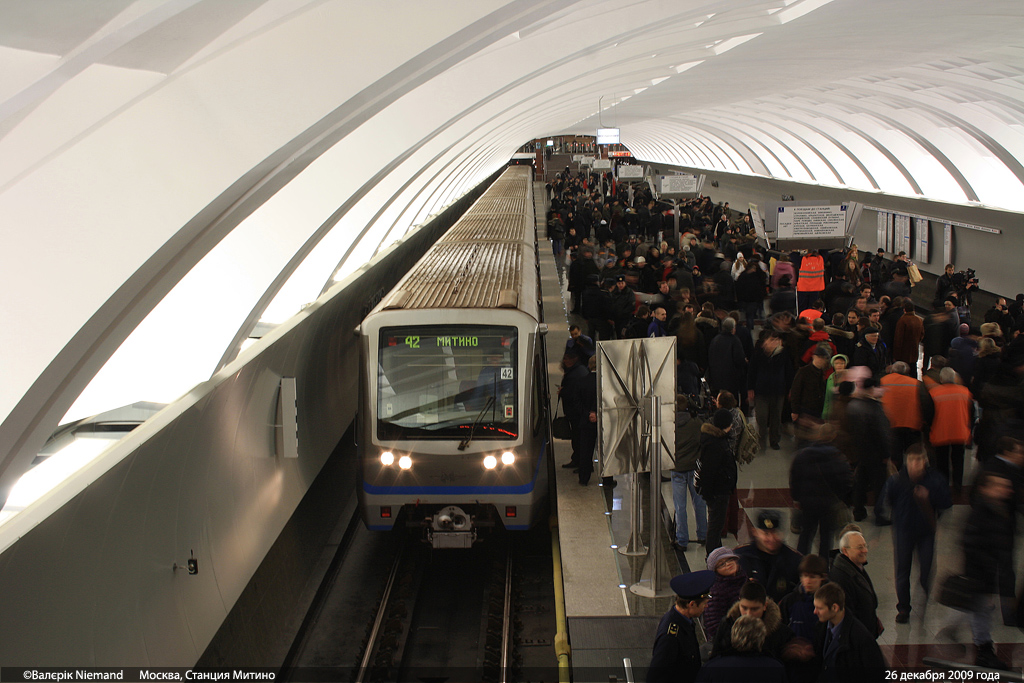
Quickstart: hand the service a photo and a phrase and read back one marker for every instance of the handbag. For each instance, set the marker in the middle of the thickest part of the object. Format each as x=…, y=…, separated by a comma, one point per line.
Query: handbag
x=959, y=592
x=560, y=428
x=913, y=274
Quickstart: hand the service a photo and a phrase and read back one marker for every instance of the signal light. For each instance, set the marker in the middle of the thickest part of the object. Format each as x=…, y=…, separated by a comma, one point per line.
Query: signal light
x=385, y=511
x=510, y=510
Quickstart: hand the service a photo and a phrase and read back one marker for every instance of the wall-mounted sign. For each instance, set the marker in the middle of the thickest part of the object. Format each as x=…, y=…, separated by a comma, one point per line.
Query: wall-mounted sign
x=630, y=171
x=797, y=222
x=678, y=184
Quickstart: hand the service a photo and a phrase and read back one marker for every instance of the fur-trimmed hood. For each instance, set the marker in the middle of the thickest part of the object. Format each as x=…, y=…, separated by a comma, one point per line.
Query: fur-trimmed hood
x=772, y=615
x=708, y=428
x=839, y=332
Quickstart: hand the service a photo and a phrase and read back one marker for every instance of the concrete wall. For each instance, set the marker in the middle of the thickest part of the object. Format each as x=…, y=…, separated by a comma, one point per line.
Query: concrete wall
x=995, y=257
x=92, y=583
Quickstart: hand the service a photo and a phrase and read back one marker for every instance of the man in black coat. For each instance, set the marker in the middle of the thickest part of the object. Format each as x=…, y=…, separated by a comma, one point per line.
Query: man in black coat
x=820, y=479
x=847, y=650
x=871, y=352
x=849, y=574
x=918, y=494
x=676, y=656
x=716, y=474
x=870, y=449
x=727, y=364
x=987, y=540
x=571, y=392
x=768, y=560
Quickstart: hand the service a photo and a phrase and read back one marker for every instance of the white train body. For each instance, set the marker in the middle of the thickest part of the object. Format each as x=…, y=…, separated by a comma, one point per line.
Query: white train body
x=453, y=421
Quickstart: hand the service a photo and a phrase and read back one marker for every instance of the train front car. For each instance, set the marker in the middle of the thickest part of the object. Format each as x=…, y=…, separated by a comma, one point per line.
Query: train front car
x=453, y=427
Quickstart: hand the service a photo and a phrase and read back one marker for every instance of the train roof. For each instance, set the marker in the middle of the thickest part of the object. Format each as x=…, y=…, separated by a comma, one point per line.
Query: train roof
x=484, y=260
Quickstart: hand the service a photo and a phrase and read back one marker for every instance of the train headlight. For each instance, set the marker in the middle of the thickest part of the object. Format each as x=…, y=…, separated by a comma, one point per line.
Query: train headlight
x=490, y=462
x=405, y=462
x=387, y=458
x=508, y=457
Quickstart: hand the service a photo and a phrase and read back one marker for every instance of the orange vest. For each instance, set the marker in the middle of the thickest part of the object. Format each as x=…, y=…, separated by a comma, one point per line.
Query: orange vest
x=812, y=274
x=952, y=415
x=901, y=401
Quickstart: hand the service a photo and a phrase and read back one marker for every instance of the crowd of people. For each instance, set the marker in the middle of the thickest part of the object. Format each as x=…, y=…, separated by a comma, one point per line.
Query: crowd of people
x=825, y=345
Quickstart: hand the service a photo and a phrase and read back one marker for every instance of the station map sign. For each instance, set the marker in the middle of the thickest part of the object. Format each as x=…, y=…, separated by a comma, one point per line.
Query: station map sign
x=630, y=171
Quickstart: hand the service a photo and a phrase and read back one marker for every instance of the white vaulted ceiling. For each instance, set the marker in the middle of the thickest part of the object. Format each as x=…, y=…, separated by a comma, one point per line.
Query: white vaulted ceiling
x=173, y=171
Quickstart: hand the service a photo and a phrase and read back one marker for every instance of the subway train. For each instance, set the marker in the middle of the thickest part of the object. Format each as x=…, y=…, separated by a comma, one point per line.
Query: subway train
x=453, y=426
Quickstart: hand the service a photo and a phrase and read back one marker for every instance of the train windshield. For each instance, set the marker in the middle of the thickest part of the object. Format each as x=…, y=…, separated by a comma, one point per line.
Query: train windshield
x=447, y=382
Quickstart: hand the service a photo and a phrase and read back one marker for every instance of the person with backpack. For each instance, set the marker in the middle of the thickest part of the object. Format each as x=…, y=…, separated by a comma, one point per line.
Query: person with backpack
x=716, y=474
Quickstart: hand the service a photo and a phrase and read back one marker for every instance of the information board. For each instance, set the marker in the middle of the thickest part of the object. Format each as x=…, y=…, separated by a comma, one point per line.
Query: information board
x=630, y=171
x=947, y=243
x=577, y=158
x=587, y=161
x=904, y=241
x=921, y=227
x=603, y=163
x=678, y=184
x=796, y=222
x=883, y=217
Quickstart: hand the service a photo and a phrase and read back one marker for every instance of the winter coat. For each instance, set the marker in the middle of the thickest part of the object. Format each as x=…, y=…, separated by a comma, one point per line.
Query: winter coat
x=717, y=470
x=743, y=667
x=727, y=366
x=783, y=268
x=813, y=340
x=779, y=634
x=856, y=659
x=909, y=520
x=819, y=477
x=725, y=591
x=687, y=441
x=708, y=327
x=797, y=610
x=807, y=395
x=861, y=599
x=987, y=543
x=769, y=375
x=779, y=573
x=867, y=424
x=751, y=286
x=875, y=359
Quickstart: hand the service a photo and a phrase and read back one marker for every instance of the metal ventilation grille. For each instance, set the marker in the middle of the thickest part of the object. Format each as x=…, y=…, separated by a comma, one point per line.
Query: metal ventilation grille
x=457, y=276
x=476, y=228
x=487, y=204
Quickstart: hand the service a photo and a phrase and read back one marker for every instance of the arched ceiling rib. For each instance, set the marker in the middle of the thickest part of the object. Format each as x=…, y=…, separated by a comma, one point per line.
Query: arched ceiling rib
x=151, y=140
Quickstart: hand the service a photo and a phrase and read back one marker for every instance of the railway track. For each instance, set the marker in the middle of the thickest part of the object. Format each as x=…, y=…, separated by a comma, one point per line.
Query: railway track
x=444, y=616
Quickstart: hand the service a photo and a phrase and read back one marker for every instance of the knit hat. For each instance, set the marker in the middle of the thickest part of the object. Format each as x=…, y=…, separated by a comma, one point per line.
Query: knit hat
x=722, y=418
x=841, y=356
x=719, y=554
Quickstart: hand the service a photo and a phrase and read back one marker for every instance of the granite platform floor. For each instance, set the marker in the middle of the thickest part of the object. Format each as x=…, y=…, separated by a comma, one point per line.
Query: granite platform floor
x=595, y=523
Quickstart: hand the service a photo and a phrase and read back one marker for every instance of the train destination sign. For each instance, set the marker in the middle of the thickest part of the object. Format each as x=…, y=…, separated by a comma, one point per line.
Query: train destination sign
x=797, y=222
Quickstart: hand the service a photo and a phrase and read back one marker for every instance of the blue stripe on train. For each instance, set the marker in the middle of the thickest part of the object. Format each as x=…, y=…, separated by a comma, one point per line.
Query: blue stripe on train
x=459, y=490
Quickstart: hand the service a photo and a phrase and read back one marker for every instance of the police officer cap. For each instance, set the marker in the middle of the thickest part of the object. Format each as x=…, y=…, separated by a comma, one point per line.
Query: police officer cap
x=769, y=520
x=621, y=278
x=593, y=278
x=692, y=585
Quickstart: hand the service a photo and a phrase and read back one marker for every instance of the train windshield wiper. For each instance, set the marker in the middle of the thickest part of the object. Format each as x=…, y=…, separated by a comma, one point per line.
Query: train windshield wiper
x=465, y=442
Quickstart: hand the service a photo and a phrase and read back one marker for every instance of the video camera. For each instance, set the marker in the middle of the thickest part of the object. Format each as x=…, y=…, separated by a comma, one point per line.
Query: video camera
x=964, y=280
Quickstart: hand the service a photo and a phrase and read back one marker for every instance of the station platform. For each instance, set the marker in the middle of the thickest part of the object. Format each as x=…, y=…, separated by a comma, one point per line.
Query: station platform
x=594, y=524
